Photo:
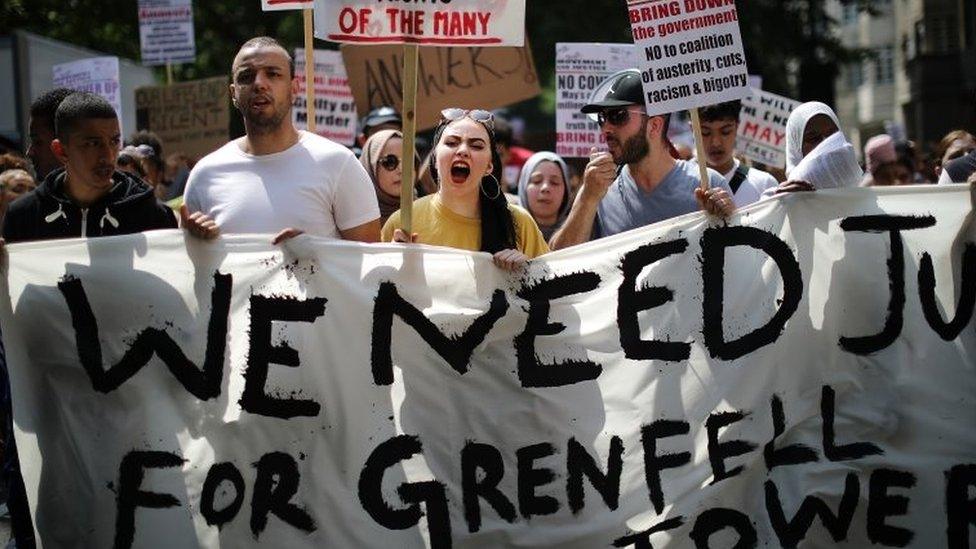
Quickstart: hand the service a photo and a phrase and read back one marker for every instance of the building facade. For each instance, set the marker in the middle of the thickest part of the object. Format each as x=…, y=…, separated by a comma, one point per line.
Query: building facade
x=919, y=80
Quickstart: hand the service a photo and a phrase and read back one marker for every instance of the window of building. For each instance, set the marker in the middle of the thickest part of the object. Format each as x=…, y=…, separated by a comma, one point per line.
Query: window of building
x=884, y=66
x=854, y=73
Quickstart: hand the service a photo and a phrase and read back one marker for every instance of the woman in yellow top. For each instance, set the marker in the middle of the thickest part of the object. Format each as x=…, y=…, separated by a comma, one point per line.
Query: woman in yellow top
x=469, y=210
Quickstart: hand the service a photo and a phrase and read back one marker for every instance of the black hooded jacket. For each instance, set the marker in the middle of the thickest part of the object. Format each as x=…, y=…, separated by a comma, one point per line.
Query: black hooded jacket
x=47, y=212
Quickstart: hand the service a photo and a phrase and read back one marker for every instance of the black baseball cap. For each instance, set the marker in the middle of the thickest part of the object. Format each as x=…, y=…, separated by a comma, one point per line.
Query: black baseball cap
x=619, y=90
x=380, y=116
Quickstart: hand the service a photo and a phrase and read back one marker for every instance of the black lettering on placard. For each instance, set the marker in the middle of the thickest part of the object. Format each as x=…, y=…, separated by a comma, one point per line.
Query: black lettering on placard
x=653, y=463
x=717, y=519
x=714, y=242
x=967, y=297
x=846, y=452
x=960, y=506
x=383, y=82
x=791, y=532
x=580, y=463
x=530, y=478
x=893, y=225
x=718, y=452
x=793, y=454
x=882, y=505
x=219, y=473
x=130, y=496
x=431, y=493
x=642, y=540
x=203, y=384
x=631, y=301
x=531, y=371
x=276, y=483
x=261, y=353
x=486, y=458
x=455, y=350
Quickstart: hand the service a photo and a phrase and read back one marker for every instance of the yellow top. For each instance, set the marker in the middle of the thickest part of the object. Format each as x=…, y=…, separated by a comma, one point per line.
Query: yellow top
x=436, y=224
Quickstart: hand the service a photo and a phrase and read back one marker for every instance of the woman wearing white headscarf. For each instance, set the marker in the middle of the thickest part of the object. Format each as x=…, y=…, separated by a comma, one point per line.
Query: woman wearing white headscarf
x=818, y=155
x=543, y=189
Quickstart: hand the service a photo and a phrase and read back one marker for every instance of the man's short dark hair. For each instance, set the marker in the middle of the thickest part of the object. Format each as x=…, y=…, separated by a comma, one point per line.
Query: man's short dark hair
x=267, y=42
x=723, y=111
x=45, y=106
x=80, y=106
x=143, y=137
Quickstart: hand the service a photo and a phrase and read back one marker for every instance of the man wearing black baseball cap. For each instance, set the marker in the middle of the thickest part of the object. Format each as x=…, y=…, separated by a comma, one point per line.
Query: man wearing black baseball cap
x=380, y=118
x=638, y=182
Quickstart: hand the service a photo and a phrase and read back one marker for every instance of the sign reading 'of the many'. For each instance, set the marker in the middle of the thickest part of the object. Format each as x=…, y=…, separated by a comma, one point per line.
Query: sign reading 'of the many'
x=435, y=23
x=801, y=376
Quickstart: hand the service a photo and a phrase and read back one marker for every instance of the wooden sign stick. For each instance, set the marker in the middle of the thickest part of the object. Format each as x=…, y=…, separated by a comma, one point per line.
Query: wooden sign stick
x=409, y=115
x=309, y=71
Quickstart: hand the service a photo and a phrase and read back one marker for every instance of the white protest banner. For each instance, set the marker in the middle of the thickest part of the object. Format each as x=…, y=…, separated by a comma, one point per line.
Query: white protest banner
x=189, y=117
x=98, y=75
x=800, y=376
x=335, y=108
x=281, y=5
x=580, y=68
x=689, y=51
x=762, y=127
x=166, y=32
x=455, y=23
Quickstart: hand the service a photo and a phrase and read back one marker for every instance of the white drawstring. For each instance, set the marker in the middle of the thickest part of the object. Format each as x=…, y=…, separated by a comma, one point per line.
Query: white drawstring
x=114, y=222
x=51, y=218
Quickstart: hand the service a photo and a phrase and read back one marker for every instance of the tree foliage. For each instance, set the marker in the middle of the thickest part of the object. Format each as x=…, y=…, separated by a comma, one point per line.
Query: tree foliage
x=789, y=43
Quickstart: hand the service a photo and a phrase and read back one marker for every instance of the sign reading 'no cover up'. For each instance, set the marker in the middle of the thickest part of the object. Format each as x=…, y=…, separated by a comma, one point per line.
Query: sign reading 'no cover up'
x=454, y=23
x=689, y=53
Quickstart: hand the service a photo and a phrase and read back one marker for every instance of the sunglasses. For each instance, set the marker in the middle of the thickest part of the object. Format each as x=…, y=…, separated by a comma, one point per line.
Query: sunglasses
x=478, y=115
x=616, y=117
x=391, y=162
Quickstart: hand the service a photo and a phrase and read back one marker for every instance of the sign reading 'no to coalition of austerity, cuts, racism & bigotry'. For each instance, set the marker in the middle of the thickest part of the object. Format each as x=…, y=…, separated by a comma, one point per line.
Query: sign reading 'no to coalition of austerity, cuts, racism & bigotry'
x=451, y=23
x=689, y=53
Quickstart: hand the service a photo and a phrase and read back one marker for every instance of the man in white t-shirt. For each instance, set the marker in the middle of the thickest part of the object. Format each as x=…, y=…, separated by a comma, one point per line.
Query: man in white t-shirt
x=720, y=126
x=277, y=179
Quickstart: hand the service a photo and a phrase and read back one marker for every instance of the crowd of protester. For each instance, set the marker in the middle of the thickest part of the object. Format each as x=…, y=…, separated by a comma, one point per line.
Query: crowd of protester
x=477, y=189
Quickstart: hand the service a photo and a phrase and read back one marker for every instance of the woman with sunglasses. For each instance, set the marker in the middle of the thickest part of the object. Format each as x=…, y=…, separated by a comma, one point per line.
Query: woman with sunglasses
x=469, y=209
x=382, y=158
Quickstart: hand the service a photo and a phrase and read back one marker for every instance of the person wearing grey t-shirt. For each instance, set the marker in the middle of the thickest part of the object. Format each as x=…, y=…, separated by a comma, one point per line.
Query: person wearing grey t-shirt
x=638, y=182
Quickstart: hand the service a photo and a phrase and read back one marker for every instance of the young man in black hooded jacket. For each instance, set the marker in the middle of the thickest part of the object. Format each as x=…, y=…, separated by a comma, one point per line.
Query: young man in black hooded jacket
x=87, y=198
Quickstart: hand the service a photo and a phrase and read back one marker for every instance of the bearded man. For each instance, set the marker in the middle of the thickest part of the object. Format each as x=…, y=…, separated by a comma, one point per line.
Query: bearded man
x=276, y=179
x=638, y=182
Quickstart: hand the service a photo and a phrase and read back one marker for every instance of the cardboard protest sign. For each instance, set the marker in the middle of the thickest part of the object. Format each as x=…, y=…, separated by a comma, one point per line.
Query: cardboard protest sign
x=762, y=127
x=453, y=23
x=690, y=53
x=281, y=5
x=335, y=109
x=484, y=78
x=799, y=377
x=98, y=75
x=166, y=32
x=580, y=68
x=189, y=117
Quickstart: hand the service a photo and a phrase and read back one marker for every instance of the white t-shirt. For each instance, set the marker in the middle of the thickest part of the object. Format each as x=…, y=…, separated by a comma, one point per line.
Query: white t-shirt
x=756, y=182
x=315, y=185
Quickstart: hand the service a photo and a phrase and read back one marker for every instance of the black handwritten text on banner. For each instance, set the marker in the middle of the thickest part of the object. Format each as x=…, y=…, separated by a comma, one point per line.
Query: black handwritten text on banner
x=802, y=376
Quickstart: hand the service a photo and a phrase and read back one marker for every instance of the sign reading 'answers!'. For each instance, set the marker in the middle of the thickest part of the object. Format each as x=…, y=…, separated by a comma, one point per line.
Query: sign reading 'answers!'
x=689, y=53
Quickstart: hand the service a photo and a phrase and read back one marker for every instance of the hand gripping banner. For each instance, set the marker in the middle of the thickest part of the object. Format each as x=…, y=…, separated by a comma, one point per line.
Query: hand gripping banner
x=802, y=376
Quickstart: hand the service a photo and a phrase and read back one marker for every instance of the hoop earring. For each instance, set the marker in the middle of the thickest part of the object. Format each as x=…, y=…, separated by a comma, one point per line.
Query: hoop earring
x=498, y=188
